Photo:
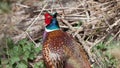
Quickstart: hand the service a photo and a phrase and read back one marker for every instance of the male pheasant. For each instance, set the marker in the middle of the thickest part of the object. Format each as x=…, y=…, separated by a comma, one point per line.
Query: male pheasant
x=60, y=50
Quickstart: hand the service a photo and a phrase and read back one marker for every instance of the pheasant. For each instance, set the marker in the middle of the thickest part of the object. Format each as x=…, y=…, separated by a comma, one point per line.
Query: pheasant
x=60, y=50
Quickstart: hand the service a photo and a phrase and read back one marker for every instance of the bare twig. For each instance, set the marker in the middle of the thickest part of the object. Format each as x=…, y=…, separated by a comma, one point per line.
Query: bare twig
x=37, y=17
x=78, y=30
x=113, y=37
x=31, y=39
x=21, y=5
x=40, y=57
x=67, y=23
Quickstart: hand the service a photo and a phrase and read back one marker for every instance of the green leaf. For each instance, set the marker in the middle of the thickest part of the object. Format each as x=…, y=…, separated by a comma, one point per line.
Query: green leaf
x=26, y=48
x=101, y=46
x=4, y=7
x=26, y=55
x=0, y=66
x=38, y=49
x=21, y=65
x=8, y=66
x=15, y=51
x=10, y=43
x=22, y=42
x=4, y=61
x=39, y=65
x=0, y=60
x=14, y=59
x=32, y=56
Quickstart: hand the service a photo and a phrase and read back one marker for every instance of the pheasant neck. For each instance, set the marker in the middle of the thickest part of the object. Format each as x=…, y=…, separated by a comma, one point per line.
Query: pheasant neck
x=50, y=30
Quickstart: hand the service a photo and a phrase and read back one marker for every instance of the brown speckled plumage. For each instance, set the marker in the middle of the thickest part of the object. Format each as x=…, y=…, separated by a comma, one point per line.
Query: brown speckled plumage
x=60, y=50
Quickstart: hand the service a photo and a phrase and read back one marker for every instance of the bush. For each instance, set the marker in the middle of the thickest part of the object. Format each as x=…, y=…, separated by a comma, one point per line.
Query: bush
x=20, y=55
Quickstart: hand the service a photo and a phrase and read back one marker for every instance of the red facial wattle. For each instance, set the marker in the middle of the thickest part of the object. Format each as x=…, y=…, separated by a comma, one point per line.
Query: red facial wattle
x=48, y=18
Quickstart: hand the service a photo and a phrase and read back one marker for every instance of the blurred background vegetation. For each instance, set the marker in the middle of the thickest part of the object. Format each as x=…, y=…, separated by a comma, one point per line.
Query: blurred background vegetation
x=94, y=23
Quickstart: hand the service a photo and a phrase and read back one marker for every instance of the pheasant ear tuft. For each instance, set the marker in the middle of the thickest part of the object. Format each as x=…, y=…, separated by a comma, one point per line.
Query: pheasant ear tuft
x=55, y=14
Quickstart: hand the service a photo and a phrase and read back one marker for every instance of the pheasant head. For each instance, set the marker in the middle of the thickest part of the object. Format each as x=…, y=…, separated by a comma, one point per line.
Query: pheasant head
x=51, y=22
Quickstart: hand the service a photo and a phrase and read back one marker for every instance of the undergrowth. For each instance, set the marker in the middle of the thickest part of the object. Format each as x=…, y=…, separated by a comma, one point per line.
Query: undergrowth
x=5, y=6
x=20, y=55
x=104, y=56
